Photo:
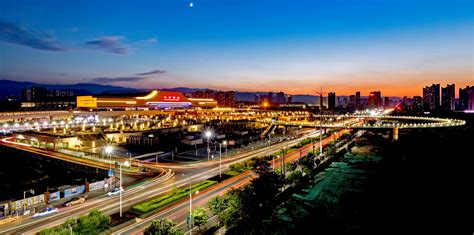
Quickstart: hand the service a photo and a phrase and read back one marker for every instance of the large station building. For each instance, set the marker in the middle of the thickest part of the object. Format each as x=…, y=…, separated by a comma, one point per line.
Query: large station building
x=154, y=99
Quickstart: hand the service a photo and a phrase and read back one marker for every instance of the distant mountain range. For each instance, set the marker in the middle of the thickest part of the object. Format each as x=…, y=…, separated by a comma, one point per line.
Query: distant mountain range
x=13, y=88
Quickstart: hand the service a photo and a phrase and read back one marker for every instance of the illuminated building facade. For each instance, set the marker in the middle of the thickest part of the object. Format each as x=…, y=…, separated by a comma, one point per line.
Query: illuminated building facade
x=155, y=99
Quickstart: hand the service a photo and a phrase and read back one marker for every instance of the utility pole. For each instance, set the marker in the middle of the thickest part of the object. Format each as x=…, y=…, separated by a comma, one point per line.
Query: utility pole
x=220, y=160
x=190, y=208
x=120, y=190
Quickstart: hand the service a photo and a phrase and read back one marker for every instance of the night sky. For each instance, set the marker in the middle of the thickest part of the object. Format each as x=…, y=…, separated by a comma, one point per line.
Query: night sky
x=294, y=46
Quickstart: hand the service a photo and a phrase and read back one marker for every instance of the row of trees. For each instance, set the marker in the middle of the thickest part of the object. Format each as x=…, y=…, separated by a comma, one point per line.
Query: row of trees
x=93, y=223
x=168, y=227
x=244, y=211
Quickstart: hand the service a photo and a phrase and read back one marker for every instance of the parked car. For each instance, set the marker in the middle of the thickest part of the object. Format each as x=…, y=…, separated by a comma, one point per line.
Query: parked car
x=74, y=201
x=115, y=192
x=46, y=211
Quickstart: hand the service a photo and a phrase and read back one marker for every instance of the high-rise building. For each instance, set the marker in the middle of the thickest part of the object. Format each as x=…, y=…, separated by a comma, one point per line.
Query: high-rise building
x=270, y=97
x=375, y=99
x=42, y=98
x=345, y=102
x=331, y=100
x=466, y=98
x=280, y=98
x=417, y=105
x=225, y=98
x=386, y=102
x=352, y=101
x=205, y=94
x=25, y=94
x=358, y=104
x=220, y=98
x=431, y=97
x=257, y=98
x=38, y=93
x=230, y=99
x=447, y=97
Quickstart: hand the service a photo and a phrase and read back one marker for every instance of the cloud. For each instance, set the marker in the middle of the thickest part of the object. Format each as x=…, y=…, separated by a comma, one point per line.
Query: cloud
x=110, y=44
x=157, y=71
x=15, y=34
x=150, y=40
x=108, y=80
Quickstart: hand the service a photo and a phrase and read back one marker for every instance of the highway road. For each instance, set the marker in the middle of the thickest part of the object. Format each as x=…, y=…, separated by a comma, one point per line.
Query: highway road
x=151, y=189
x=178, y=211
x=64, y=157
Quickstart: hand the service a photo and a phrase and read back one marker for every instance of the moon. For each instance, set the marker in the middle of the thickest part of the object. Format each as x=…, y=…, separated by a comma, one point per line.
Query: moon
x=191, y=4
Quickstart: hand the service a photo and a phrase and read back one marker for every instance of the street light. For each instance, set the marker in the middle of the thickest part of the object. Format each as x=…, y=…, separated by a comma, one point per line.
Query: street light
x=225, y=145
x=208, y=134
x=127, y=164
x=108, y=150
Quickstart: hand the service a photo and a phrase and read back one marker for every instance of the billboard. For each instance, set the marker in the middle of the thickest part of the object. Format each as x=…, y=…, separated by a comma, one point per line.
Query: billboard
x=86, y=102
x=96, y=186
x=54, y=196
x=74, y=191
x=31, y=201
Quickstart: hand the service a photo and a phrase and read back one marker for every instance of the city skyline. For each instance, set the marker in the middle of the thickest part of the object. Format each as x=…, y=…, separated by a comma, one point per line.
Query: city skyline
x=395, y=47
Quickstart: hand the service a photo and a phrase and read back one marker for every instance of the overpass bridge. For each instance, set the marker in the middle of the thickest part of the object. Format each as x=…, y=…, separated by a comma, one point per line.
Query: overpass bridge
x=368, y=122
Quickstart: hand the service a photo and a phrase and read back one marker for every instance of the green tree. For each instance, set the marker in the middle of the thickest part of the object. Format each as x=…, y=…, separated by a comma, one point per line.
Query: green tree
x=217, y=204
x=199, y=217
x=291, y=166
x=247, y=208
x=162, y=227
x=94, y=222
x=295, y=177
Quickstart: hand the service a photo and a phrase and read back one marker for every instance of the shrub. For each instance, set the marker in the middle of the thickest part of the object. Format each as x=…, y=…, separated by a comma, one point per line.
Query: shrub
x=170, y=197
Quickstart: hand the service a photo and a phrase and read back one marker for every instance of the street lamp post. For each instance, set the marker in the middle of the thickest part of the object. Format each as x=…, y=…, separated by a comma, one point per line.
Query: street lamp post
x=225, y=145
x=126, y=163
x=190, y=207
x=109, y=150
x=220, y=160
x=208, y=135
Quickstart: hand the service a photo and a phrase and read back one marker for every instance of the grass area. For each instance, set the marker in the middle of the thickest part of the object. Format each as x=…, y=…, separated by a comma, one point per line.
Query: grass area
x=173, y=196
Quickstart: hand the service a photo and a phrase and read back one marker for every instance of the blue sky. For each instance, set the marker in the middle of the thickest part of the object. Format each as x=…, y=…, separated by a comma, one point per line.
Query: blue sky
x=293, y=46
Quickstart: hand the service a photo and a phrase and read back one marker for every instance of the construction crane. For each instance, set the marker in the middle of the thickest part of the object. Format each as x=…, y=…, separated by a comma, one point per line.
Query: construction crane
x=320, y=123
